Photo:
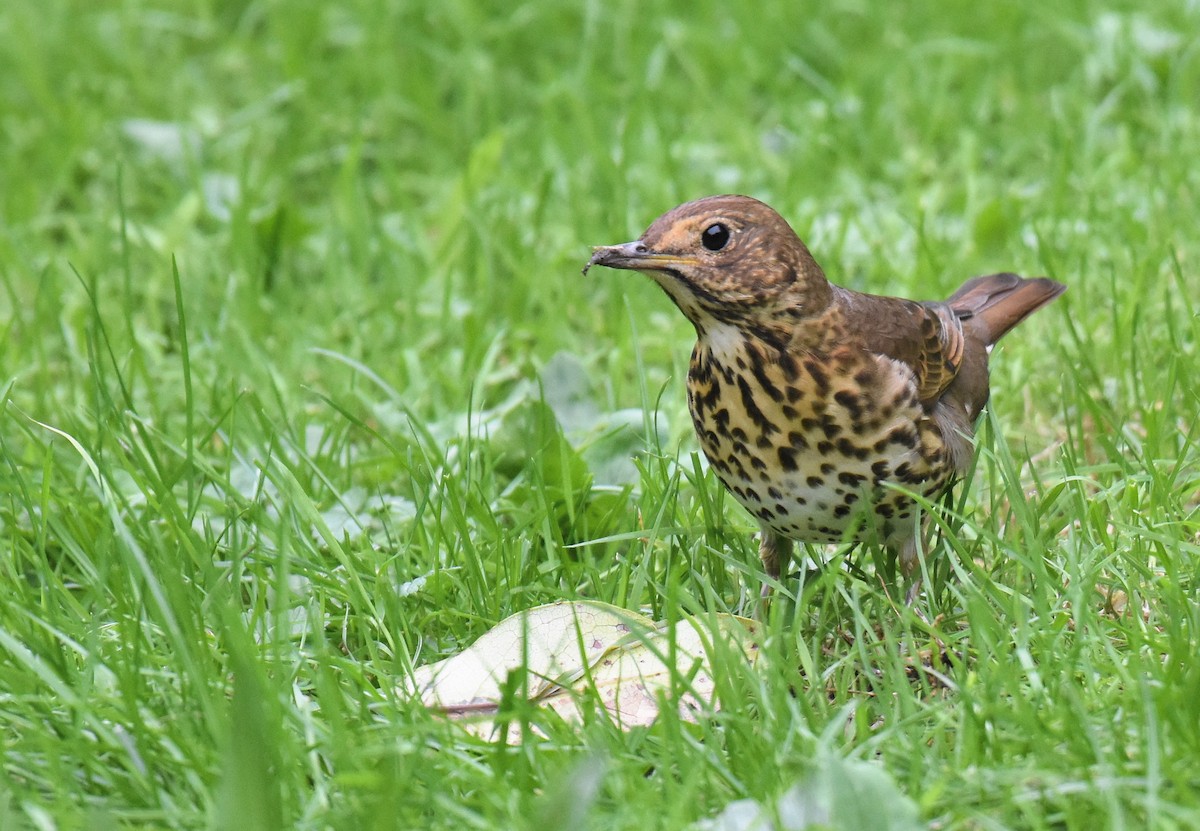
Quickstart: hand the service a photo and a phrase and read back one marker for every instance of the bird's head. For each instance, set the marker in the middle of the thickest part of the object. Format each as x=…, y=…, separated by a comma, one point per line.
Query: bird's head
x=725, y=259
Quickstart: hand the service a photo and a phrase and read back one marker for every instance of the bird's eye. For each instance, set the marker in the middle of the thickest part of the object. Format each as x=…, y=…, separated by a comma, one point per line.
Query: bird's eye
x=715, y=237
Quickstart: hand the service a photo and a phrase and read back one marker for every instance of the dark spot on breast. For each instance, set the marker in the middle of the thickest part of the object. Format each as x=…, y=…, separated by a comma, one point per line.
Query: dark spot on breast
x=814, y=481
x=904, y=435
x=904, y=473
x=827, y=468
x=818, y=375
x=787, y=458
x=794, y=394
x=851, y=450
x=841, y=511
x=880, y=471
x=797, y=440
x=851, y=479
x=867, y=425
x=787, y=364
x=752, y=409
x=708, y=399
x=851, y=402
x=768, y=386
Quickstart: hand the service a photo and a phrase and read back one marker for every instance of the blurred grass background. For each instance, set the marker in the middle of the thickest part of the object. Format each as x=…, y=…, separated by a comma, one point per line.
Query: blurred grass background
x=302, y=386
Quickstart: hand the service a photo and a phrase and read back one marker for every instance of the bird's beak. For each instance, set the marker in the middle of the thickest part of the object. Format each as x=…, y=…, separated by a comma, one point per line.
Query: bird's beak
x=635, y=256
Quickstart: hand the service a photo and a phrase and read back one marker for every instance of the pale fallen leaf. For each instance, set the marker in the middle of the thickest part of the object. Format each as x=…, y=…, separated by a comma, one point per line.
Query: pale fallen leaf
x=631, y=680
x=553, y=643
x=575, y=652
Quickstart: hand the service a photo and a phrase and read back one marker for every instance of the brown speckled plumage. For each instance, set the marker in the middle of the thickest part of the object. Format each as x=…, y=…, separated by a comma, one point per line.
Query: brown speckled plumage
x=811, y=401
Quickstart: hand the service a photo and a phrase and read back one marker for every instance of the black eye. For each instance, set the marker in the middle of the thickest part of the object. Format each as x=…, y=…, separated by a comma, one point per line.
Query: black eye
x=715, y=237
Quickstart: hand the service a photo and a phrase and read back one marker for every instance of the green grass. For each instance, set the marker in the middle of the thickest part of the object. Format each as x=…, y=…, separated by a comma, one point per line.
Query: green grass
x=302, y=387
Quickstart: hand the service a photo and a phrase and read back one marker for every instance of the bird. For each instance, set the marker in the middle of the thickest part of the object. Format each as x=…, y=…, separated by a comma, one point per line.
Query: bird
x=828, y=413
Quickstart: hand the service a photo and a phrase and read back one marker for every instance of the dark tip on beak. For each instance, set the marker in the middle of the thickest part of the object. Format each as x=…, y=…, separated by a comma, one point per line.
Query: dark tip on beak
x=617, y=256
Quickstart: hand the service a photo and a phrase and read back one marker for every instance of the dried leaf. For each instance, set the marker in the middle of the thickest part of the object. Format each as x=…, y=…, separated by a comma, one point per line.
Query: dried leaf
x=630, y=681
x=553, y=643
x=587, y=651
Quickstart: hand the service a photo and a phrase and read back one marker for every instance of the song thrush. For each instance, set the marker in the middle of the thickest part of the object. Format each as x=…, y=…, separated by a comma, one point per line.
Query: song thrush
x=822, y=409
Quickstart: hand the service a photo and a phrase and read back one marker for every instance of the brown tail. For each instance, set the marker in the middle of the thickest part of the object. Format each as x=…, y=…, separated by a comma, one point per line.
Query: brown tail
x=998, y=302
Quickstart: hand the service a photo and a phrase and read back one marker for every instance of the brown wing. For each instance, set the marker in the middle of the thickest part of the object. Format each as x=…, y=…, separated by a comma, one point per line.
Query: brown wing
x=941, y=351
x=928, y=337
